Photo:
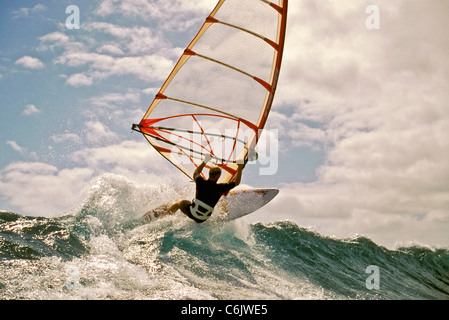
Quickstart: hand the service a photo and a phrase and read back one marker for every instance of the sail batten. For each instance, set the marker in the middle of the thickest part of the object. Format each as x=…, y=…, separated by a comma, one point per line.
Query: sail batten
x=202, y=106
x=246, y=30
x=219, y=94
x=224, y=64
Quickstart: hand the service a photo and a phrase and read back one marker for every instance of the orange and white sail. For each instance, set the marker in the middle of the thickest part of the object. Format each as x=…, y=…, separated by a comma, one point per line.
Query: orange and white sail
x=219, y=94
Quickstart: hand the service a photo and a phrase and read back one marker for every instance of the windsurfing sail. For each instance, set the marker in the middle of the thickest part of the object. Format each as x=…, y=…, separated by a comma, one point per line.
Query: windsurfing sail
x=218, y=96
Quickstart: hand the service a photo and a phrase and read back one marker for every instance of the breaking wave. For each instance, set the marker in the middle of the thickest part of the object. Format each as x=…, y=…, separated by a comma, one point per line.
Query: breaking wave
x=103, y=250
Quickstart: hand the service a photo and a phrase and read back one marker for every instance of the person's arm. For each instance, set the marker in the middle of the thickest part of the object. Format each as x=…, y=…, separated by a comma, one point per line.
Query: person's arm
x=238, y=176
x=201, y=166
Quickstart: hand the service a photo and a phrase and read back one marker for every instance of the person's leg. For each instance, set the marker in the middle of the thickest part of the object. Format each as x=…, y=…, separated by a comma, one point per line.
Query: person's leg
x=181, y=204
x=184, y=206
x=173, y=208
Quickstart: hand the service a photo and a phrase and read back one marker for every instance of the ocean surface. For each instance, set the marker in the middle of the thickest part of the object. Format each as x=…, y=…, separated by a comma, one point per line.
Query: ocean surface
x=103, y=250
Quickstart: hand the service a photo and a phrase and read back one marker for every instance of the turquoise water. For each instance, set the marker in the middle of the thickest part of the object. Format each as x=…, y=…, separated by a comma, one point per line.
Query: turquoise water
x=106, y=252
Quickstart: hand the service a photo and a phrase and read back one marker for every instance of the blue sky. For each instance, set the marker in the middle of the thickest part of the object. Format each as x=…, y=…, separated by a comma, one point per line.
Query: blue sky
x=68, y=89
x=361, y=114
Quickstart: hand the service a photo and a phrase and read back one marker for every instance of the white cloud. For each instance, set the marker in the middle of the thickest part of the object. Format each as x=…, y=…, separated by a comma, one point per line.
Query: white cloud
x=159, y=9
x=294, y=133
x=386, y=215
x=30, y=62
x=58, y=39
x=96, y=132
x=30, y=109
x=26, y=12
x=79, y=80
x=376, y=100
x=67, y=138
x=136, y=40
x=100, y=66
x=56, y=36
x=127, y=156
x=117, y=109
x=131, y=52
x=151, y=91
x=110, y=100
x=110, y=48
x=16, y=147
x=23, y=151
x=41, y=189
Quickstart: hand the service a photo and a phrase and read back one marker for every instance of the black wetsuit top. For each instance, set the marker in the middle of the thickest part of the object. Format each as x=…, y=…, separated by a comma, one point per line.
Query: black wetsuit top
x=209, y=191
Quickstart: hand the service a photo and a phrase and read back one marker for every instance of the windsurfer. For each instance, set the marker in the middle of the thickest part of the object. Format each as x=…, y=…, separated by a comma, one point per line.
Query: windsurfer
x=208, y=192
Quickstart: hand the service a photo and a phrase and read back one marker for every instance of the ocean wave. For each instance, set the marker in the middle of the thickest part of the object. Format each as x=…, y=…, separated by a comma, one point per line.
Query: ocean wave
x=104, y=250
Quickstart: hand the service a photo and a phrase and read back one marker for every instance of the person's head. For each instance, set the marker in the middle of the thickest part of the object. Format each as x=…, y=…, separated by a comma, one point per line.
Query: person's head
x=214, y=173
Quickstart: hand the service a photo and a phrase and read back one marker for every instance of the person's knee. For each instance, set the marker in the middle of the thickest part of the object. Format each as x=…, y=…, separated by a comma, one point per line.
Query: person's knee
x=183, y=204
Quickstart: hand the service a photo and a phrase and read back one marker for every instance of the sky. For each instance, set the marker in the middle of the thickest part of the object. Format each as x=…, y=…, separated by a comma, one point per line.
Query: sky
x=361, y=110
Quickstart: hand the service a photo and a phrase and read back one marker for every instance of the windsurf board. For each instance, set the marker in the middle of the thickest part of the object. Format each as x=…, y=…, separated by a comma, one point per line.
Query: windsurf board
x=236, y=204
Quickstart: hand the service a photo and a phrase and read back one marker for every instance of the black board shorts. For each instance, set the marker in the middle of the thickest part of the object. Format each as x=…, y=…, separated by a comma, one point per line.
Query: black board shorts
x=185, y=206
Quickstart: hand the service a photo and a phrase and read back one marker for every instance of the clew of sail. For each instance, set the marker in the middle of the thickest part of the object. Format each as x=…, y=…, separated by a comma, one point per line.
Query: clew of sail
x=218, y=96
